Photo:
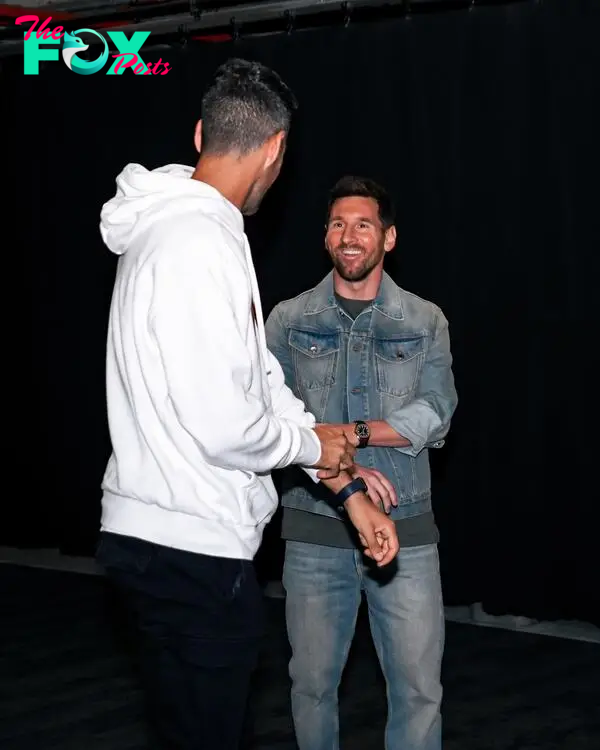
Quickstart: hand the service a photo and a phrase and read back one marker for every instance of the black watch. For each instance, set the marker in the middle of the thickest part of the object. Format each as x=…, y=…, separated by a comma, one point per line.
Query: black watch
x=338, y=500
x=362, y=432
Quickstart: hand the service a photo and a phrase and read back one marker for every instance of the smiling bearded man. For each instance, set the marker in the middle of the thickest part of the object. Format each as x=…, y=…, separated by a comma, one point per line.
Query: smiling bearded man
x=364, y=353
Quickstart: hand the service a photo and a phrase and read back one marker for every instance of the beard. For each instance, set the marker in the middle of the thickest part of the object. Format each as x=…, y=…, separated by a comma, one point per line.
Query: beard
x=355, y=269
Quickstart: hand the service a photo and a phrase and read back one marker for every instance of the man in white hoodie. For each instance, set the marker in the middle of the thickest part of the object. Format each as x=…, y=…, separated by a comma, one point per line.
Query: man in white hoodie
x=199, y=415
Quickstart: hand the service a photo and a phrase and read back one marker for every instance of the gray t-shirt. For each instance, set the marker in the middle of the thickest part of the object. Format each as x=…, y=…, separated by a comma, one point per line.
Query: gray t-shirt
x=312, y=528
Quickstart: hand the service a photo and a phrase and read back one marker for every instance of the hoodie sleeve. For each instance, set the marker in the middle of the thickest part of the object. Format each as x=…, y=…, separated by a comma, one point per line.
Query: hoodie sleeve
x=209, y=368
x=285, y=403
x=287, y=406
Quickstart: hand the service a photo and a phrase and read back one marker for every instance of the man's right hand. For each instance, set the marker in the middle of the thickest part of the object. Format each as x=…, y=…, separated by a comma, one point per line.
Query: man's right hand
x=337, y=452
x=376, y=530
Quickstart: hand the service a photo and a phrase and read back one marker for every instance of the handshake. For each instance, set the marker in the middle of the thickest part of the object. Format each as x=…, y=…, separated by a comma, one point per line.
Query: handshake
x=337, y=451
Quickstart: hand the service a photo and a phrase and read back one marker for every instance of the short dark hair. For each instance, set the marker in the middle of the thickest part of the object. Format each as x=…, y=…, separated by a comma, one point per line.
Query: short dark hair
x=363, y=187
x=244, y=106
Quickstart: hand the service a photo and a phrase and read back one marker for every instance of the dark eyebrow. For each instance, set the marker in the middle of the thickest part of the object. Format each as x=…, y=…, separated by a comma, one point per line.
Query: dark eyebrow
x=361, y=218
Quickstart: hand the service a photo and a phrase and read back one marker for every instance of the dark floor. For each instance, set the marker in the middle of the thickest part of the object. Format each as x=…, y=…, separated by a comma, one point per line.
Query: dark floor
x=66, y=682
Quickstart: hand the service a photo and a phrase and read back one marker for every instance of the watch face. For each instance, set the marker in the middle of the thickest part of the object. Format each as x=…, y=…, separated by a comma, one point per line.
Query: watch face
x=362, y=430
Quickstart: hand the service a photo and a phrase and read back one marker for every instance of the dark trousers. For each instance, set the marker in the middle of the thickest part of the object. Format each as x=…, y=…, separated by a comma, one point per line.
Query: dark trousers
x=198, y=622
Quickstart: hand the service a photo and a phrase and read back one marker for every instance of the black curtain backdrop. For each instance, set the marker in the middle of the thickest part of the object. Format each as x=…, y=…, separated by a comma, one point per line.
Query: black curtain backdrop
x=483, y=124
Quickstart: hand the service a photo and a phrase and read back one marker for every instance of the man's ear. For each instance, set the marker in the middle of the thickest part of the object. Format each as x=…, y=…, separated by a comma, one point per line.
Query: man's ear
x=198, y=136
x=390, y=239
x=275, y=147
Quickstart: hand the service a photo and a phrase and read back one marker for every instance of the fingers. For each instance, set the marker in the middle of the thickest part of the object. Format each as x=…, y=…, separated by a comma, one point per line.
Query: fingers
x=328, y=473
x=377, y=532
x=392, y=498
x=349, y=450
x=377, y=498
x=347, y=457
x=370, y=541
x=381, y=491
x=383, y=559
x=337, y=451
x=379, y=494
x=389, y=544
x=387, y=547
x=332, y=472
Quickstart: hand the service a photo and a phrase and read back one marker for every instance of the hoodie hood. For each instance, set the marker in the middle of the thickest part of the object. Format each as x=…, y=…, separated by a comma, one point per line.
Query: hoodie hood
x=142, y=192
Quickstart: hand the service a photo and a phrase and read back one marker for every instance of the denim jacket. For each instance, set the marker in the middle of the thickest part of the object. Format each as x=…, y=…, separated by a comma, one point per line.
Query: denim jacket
x=391, y=363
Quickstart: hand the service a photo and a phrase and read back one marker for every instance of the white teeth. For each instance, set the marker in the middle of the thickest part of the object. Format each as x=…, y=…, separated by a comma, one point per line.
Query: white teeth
x=351, y=252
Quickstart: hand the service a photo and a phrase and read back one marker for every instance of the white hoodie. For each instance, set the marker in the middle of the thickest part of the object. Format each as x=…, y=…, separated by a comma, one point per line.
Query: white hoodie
x=198, y=409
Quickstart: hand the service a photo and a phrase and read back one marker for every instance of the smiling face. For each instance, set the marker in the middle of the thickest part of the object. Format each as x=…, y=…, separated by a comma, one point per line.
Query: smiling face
x=356, y=238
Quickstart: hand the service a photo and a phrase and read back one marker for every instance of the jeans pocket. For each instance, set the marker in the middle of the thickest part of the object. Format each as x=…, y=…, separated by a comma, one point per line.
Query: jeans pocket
x=124, y=554
x=231, y=579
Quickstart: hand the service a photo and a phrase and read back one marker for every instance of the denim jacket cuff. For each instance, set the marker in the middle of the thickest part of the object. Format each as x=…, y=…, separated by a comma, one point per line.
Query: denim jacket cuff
x=417, y=422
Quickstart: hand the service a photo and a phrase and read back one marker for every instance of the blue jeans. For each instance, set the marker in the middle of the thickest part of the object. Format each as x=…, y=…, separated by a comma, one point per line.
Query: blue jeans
x=406, y=615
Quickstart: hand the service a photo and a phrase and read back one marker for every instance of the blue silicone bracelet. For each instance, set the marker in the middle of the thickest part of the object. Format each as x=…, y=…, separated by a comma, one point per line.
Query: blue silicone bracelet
x=356, y=485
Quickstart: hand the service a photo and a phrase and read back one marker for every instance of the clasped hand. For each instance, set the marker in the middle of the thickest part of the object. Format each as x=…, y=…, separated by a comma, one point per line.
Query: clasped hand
x=337, y=451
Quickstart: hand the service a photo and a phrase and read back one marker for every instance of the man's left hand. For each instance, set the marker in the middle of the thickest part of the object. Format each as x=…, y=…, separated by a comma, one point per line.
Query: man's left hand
x=380, y=490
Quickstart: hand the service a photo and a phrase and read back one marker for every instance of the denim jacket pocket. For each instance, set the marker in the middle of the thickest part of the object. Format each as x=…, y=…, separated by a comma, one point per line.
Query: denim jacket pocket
x=315, y=357
x=398, y=362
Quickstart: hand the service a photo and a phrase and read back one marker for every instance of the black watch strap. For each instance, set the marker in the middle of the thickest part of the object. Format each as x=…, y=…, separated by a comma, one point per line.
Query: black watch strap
x=338, y=500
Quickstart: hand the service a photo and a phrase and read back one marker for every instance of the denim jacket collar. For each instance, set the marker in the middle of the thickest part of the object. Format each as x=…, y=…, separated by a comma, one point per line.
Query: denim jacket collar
x=388, y=301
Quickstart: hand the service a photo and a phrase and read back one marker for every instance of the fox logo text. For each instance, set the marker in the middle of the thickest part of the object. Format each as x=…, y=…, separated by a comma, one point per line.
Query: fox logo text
x=44, y=44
